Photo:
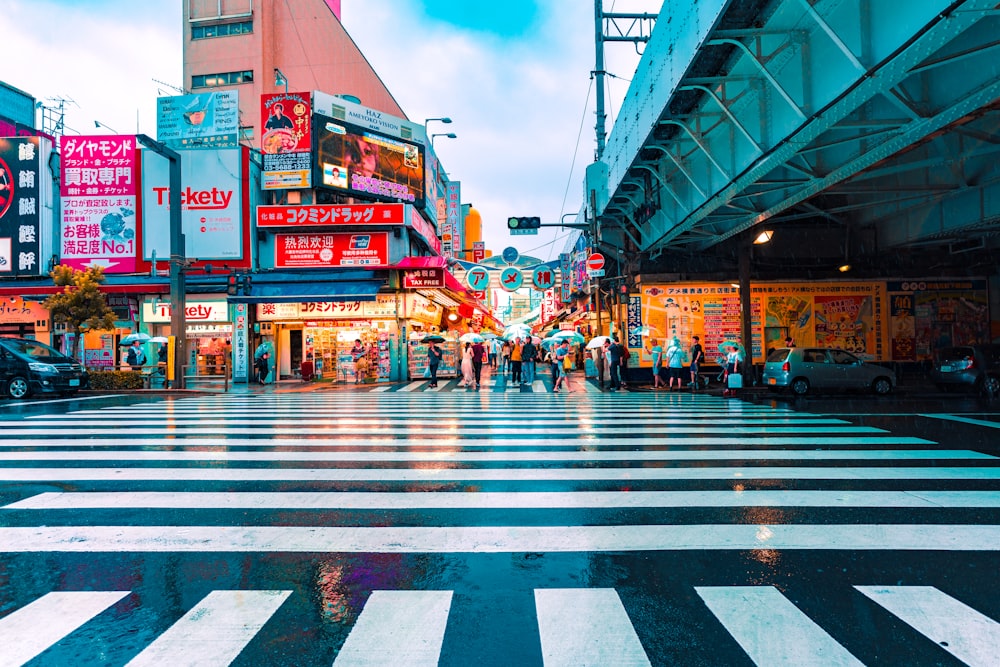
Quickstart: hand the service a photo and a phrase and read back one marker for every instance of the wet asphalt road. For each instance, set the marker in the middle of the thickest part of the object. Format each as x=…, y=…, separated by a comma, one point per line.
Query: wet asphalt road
x=410, y=527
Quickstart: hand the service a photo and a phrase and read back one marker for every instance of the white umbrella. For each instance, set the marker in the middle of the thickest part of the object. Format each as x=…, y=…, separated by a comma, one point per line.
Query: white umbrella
x=158, y=339
x=132, y=337
x=597, y=341
x=471, y=337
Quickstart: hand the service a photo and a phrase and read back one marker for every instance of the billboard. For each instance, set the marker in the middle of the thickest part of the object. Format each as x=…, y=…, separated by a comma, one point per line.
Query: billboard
x=98, y=187
x=211, y=205
x=313, y=215
x=286, y=140
x=339, y=249
x=359, y=161
x=21, y=207
x=205, y=120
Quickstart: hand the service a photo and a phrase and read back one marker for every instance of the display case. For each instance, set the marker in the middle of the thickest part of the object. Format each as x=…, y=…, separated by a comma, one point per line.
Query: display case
x=418, y=359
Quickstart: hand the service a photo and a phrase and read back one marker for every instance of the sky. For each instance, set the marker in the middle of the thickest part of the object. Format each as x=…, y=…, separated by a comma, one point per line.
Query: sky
x=515, y=78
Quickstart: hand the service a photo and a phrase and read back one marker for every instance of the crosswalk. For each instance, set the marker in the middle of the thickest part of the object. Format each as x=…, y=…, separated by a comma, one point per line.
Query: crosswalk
x=421, y=528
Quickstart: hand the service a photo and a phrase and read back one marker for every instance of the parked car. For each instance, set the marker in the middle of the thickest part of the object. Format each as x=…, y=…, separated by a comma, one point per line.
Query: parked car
x=29, y=367
x=804, y=368
x=974, y=367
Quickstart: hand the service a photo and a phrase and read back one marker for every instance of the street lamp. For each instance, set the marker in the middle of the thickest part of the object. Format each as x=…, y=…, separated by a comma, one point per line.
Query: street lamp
x=450, y=135
x=178, y=305
x=443, y=119
x=99, y=124
x=280, y=79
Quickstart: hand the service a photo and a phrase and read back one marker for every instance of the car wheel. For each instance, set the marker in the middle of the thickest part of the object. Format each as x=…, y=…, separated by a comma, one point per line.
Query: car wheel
x=800, y=386
x=18, y=387
x=882, y=386
x=991, y=386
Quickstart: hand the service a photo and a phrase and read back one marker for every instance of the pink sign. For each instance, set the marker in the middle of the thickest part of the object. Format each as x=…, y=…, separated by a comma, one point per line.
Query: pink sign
x=329, y=214
x=365, y=251
x=97, y=166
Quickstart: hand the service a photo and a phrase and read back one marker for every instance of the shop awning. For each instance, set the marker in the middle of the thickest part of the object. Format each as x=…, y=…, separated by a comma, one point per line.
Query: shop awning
x=295, y=292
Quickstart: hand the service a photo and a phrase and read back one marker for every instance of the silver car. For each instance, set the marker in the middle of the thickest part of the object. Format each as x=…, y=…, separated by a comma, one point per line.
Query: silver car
x=803, y=368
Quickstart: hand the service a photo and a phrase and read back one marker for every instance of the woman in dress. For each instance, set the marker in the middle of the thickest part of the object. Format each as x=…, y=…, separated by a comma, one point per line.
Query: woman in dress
x=468, y=374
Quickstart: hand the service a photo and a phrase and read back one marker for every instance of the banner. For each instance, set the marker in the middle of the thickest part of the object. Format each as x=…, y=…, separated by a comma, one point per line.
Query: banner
x=307, y=215
x=369, y=250
x=286, y=141
x=21, y=207
x=205, y=120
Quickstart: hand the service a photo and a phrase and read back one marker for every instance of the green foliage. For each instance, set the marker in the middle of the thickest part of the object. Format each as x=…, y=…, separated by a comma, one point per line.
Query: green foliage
x=115, y=380
x=81, y=304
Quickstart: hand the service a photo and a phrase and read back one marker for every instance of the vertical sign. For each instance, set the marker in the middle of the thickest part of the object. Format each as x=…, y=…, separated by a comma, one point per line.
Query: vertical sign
x=286, y=140
x=564, y=266
x=453, y=215
x=634, y=320
x=478, y=251
x=20, y=207
x=241, y=364
x=98, y=206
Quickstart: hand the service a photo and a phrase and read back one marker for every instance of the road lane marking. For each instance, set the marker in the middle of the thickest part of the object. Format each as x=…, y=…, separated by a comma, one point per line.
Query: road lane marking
x=398, y=628
x=490, y=500
x=213, y=632
x=377, y=390
x=458, y=440
x=498, y=539
x=970, y=636
x=489, y=474
x=586, y=627
x=413, y=385
x=173, y=454
x=963, y=420
x=32, y=629
x=772, y=630
x=576, y=422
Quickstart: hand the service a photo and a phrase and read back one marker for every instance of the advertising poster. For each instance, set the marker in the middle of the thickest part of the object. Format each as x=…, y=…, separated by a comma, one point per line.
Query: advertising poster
x=286, y=140
x=98, y=187
x=364, y=162
x=934, y=313
x=21, y=207
x=211, y=205
x=205, y=120
x=345, y=249
x=453, y=215
x=845, y=322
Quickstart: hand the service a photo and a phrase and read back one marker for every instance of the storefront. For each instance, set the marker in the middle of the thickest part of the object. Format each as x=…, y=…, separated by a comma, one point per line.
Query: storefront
x=317, y=338
x=209, y=332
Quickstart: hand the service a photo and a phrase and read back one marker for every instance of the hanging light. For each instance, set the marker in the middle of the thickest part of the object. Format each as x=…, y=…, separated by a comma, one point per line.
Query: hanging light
x=764, y=237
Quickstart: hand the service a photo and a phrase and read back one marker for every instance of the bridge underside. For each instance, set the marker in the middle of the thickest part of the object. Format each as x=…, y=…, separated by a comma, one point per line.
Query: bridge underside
x=858, y=131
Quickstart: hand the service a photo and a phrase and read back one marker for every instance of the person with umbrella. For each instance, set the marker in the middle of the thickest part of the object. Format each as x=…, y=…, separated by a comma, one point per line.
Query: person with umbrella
x=656, y=352
x=562, y=360
x=614, y=352
x=135, y=357
x=434, y=355
x=675, y=363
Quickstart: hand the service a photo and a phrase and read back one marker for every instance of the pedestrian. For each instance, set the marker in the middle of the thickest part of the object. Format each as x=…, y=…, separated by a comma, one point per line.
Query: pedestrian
x=657, y=354
x=505, y=351
x=732, y=369
x=494, y=351
x=515, y=361
x=468, y=373
x=675, y=363
x=528, y=355
x=563, y=363
x=261, y=367
x=478, y=355
x=623, y=370
x=613, y=352
x=135, y=357
x=161, y=354
x=597, y=356
x=434, y=355
x=360, y=356
x=697, y=355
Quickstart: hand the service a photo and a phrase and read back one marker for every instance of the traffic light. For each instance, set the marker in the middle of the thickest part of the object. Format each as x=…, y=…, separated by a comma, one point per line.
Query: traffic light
x=529, y=222
x=232, y=284
x=246, y=284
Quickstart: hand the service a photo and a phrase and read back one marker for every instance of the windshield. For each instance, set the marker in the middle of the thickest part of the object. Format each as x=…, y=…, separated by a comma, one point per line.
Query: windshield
x=35, y=350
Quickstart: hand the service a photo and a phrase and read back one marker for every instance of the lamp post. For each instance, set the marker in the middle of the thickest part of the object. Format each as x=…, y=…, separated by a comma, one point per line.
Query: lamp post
x=443, y=119
x=178, y=305
x=450, y=135
x=99, y=124
x=280, y=79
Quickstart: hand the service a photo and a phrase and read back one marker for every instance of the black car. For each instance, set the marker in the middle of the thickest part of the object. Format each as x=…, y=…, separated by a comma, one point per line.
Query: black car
x=974, y=367
x=29, y=367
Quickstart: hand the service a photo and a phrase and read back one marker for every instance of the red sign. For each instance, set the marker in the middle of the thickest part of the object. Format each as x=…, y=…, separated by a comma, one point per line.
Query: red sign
x=341, y=249
x=330, y=214
x=420, y=278
x=285, y=118
x=595, y=262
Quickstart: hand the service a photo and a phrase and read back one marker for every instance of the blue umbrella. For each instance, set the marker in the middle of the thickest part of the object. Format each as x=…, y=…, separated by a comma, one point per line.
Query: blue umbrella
x=573, y=337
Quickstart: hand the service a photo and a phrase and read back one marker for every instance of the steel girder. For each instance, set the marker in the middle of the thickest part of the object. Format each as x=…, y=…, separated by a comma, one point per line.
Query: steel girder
x=889, y=105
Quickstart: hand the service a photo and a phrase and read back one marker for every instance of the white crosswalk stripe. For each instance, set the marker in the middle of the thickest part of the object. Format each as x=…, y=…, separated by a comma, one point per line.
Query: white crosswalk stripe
x=496, y=471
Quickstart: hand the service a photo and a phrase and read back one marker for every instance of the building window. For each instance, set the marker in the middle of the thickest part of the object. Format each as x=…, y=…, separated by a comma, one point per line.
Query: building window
x=221, y=30
x=222, y=79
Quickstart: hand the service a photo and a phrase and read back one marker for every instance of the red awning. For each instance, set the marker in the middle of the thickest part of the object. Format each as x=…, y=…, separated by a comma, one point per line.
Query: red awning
x=436, y=262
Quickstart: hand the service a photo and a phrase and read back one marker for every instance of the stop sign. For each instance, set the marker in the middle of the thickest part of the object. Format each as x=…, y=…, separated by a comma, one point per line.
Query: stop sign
x=595, y=262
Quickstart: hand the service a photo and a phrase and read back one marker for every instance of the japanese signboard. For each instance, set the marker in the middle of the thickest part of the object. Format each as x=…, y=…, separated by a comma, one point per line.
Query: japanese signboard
x=194, y=311
x=453, y=215
x=925, y=315
x=21, y=207
x=382, y=307
x=511, y=279
x=286, y=140
x=211, y=205
x=16, y=309
x=205, y=120
x=315, y=215
x=341, y=249
x=421, y=278
x=99, y=200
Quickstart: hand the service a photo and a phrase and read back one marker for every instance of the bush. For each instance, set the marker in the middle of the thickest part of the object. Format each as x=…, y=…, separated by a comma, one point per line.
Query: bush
x=115, y=380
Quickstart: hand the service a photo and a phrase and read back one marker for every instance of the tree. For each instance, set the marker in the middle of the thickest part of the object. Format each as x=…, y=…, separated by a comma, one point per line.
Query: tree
x=80, y=305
